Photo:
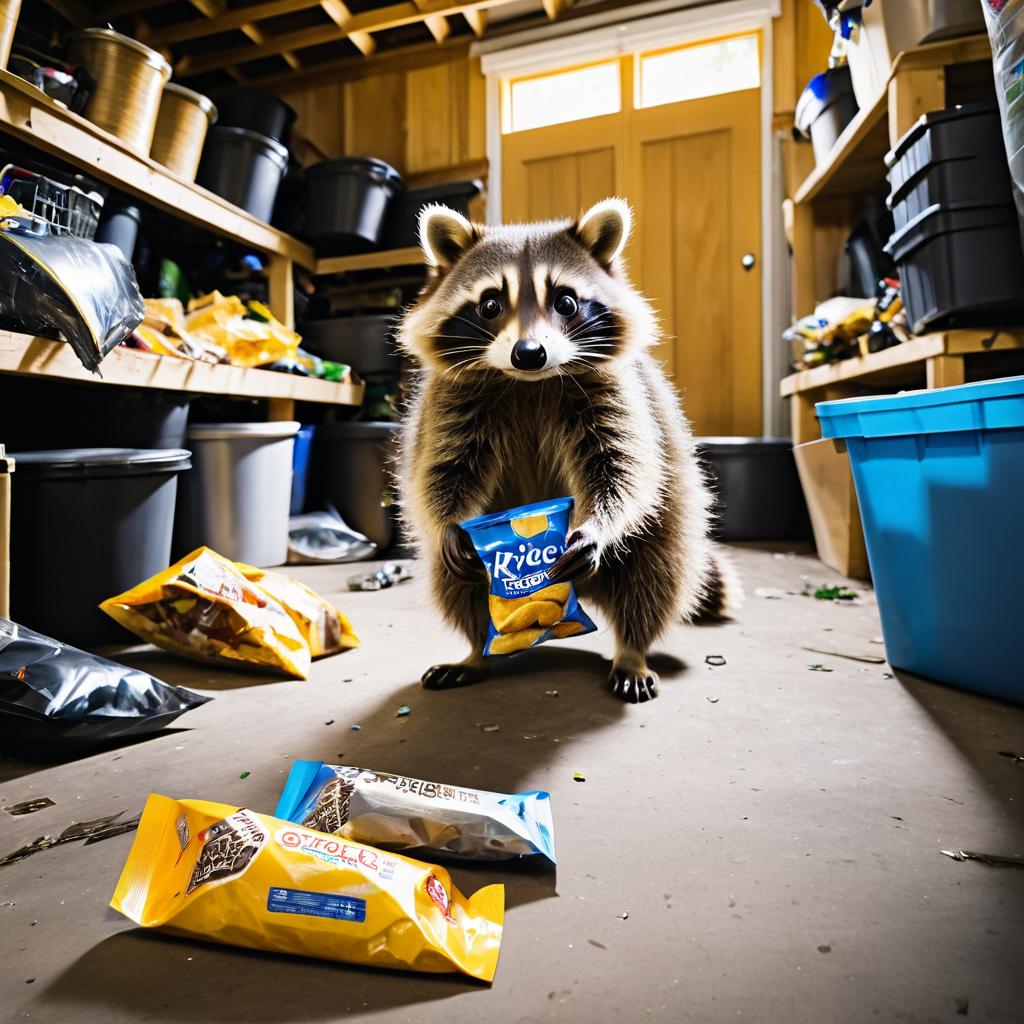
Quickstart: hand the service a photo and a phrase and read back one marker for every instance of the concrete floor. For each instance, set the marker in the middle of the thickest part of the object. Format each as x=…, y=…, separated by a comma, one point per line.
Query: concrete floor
x=761, y=843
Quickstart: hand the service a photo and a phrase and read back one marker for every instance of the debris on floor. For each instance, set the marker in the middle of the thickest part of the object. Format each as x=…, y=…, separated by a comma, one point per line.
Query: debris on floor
x=869, y=659
x=1017, y=758
x=403, y=712
x=715, y=660
x=1011, y=860
x=770, y=593
x=713, y=700
x=835, y=594
x=387, y=576
x=578, y=777
x=492, y=727
x=30, y=806
x=244, y=775
x=820, y=668
x=91, y=831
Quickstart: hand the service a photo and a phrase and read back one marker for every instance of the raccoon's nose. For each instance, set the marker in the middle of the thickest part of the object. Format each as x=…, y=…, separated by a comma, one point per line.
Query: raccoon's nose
x=528, y=354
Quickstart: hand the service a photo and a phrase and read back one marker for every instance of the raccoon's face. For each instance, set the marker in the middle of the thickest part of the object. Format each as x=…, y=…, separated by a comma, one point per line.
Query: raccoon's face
x=530, y=301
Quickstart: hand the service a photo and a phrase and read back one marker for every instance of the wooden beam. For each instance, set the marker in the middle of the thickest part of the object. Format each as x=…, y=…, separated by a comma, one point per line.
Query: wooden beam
x=379, y=20
x=554, y=8
x=339, y=13
x=437, y=24
x=476, y=18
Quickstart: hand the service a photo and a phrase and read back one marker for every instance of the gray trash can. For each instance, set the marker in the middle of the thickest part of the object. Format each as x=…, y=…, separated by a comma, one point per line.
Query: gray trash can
x=236, y=498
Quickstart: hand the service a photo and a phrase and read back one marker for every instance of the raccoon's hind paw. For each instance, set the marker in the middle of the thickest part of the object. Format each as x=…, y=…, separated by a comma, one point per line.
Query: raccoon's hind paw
x=634, y=686
x=579, y=560
x=450, y=677
x=459, y=556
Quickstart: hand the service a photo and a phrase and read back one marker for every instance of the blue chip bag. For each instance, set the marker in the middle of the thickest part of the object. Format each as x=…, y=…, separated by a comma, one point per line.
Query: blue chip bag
x=518, y=548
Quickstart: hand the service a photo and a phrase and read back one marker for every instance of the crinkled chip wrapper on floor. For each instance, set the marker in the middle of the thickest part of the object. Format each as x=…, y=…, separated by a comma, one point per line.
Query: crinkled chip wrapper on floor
x=204, y=607
x=230, y=875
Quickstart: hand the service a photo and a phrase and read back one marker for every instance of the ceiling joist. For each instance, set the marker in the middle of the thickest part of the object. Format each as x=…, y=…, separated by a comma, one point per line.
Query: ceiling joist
x=357, y=27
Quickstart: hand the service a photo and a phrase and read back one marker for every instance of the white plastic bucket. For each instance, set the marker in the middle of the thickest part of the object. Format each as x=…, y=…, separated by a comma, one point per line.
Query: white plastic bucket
x=237, y=495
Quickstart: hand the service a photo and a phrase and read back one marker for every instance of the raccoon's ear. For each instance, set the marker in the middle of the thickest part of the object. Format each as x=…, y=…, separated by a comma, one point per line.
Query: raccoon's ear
x=604, y=229
x=444, y=235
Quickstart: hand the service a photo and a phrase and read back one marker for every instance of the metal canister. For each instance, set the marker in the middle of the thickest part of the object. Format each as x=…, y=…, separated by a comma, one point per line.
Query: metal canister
x=181, y=128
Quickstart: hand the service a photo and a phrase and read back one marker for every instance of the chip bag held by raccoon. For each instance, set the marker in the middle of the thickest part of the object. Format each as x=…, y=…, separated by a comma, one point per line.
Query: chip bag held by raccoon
x=203, y=607
x=408, y=814
x=226, y=874
x=518, y=547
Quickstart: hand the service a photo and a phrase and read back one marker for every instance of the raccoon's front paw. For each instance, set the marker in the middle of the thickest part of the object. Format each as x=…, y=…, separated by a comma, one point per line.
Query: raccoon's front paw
x=459, y=556
x=634, y=686
x=449, y=677
x=580, y=559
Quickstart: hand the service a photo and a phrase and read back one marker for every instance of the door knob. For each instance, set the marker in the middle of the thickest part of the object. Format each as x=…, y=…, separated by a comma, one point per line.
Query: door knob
x=749, y=261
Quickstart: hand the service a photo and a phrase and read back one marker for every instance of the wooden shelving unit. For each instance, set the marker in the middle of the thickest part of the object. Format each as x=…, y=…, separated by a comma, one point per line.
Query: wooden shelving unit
x=410, y=257
x=39, y=357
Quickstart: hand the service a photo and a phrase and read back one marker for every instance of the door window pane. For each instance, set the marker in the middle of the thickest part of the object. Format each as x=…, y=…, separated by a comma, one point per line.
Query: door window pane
x=707, y=69
x=565, y=96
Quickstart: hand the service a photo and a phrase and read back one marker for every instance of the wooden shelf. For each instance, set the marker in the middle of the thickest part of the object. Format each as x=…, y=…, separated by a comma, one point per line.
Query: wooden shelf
x=855, y=165
x=412, y=256
x=39, y=357
x=33, y=117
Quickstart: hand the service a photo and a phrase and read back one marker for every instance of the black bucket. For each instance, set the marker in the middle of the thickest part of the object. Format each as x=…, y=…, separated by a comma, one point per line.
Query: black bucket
x=257, y=111
x=757, y=486
x=89, y=523
x=402, y=227
x=244, y=167
x=346, y=203
x=365, y=343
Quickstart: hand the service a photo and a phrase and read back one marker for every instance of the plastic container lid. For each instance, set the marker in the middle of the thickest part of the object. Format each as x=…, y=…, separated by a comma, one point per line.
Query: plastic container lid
x=444, y=190
x=379, y=171
x=100, y=462
x=242, y=431
x=356, y=430
x=963, y=112
x=987, y=405
x=253, y=140
x=153, y=59
x=948, y=218
x=204, y=103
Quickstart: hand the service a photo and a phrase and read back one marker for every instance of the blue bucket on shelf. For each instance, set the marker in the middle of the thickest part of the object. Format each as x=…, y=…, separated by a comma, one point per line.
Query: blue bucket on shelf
x=940, y=482
x=300, y=468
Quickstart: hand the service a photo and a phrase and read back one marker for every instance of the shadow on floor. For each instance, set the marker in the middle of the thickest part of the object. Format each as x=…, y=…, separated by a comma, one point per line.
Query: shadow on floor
x=148, y=975
x=979, y=727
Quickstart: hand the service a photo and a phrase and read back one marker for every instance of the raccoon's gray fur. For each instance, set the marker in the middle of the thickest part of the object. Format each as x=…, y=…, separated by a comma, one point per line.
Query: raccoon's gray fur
x=494, y=423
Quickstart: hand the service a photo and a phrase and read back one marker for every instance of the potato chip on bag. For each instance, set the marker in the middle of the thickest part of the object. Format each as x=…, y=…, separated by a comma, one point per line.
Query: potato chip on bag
x=325, y=628
x=203, y=607
x=227, y=874
x=518, y=547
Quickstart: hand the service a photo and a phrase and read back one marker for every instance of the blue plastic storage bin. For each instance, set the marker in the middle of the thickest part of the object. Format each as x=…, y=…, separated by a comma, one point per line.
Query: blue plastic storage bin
x=300, y=469
x=940, y=481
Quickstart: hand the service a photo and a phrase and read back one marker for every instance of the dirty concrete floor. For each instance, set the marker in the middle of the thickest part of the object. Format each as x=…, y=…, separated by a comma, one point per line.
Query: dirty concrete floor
x=761, y=843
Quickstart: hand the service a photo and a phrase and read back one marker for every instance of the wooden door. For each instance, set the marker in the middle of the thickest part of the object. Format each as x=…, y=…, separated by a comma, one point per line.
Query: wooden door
x=695, y=183
x=691, y=171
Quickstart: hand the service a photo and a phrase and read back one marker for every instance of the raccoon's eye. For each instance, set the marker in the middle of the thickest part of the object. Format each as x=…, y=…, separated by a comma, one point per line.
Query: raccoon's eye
x=490, y=307
x=566, y=304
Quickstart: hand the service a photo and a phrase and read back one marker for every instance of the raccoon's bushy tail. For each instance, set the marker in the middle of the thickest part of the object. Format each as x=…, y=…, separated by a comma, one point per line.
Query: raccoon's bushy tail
x=723, y=592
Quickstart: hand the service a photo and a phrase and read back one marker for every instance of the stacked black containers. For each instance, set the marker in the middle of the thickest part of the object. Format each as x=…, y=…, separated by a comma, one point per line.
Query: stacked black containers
x=246, y=154
x=956, y=241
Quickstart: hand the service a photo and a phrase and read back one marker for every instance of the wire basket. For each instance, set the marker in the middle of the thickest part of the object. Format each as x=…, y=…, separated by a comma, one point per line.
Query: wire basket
x=67, y=209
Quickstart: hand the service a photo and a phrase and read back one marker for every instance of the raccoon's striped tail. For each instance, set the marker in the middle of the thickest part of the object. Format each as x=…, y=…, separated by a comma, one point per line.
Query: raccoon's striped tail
x=723, y=592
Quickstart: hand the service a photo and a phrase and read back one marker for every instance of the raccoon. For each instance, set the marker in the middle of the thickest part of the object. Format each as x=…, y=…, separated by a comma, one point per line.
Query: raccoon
x=535, y=381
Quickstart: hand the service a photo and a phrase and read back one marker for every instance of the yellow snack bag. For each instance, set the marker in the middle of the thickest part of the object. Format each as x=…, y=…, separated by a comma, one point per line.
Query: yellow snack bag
x=230, y=875
x=324, y=627
x=203, y=607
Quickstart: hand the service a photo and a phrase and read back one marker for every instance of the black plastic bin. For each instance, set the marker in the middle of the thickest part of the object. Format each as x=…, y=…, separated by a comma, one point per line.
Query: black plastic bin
x=826, y=106
x=402, y=226
x=960, y=266
x=89, y=523
x=365, y=343
x=257, y=111
x=39, y=414
x=119, y=225
x=244, y=167
x=346, y=203
x=949, y=156
x=758, y=490
x=356, y=461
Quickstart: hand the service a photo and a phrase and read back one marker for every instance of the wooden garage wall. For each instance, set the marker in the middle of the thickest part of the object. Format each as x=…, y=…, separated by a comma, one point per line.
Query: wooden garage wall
x=420, y=119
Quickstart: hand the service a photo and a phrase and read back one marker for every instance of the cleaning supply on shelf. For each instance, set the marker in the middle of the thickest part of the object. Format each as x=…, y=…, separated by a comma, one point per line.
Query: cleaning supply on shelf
x=53, y=692
x=227, y=874
x=399, y=813
x=66, y=288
